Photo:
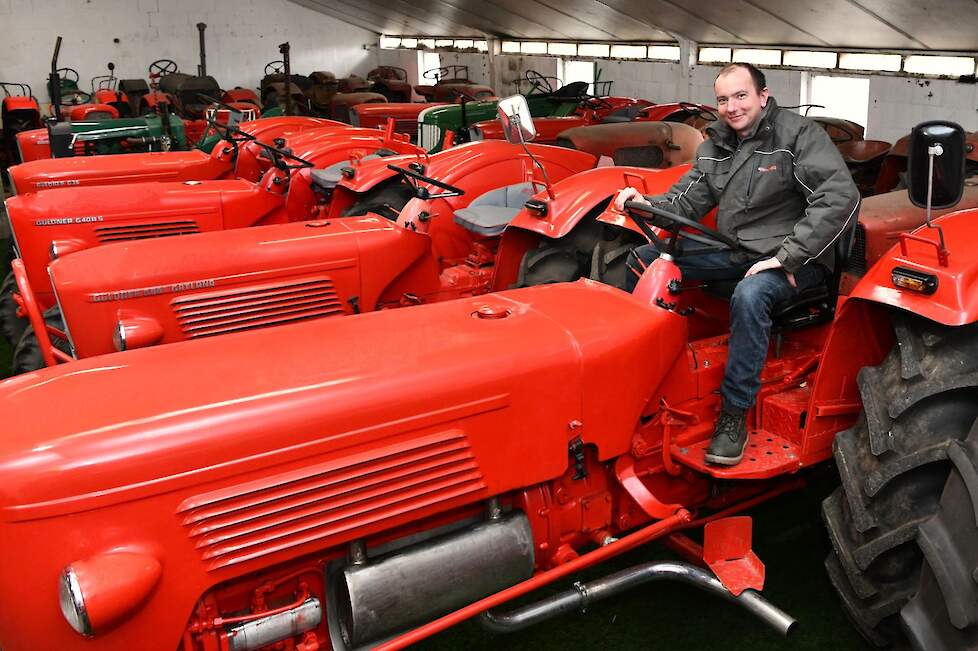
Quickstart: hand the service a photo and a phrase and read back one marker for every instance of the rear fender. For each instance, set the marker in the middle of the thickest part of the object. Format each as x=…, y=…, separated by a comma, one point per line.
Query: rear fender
x=954, y=301
x=577, y=195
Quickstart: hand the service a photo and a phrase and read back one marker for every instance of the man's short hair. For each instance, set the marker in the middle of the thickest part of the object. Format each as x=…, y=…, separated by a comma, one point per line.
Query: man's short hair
x=760, y=82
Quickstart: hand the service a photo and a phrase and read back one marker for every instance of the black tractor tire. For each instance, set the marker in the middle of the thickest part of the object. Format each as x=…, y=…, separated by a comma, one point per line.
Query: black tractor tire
x=888, y=522
x=386, y=200
x=27, y=353
x=11, y=326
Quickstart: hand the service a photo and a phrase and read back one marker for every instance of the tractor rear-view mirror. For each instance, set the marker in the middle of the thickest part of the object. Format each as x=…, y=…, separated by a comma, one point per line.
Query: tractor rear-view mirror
x=936, y=164
x=514, y=114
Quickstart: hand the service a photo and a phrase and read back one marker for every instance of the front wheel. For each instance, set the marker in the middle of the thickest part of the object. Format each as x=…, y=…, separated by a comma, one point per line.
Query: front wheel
x=904, y=522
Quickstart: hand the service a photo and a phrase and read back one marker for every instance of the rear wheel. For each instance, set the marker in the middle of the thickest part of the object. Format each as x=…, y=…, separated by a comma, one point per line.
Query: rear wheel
x=11, y=326
x=27, y=354
x=888, y=522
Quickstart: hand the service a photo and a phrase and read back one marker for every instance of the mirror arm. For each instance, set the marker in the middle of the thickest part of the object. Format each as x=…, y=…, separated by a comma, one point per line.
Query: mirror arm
x=932, y=152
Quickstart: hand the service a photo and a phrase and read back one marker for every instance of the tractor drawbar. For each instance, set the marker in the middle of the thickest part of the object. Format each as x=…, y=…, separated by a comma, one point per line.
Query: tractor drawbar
x=583, y=594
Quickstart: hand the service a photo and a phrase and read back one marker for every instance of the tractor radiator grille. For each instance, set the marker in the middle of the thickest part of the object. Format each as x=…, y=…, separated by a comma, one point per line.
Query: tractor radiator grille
x=330, y=502
x=145, y=231
x=429, y=135
x=857, y=257
x=256, y=306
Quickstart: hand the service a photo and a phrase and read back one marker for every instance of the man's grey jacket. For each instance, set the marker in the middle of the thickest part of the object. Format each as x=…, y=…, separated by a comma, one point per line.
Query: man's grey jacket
x=783, y=191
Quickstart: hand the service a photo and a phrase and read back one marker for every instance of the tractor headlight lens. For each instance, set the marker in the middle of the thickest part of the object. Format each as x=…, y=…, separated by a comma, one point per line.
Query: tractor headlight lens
x=73, y=602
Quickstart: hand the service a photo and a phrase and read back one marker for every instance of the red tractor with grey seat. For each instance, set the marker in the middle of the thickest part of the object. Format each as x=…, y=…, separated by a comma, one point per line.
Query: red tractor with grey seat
x=377, y=479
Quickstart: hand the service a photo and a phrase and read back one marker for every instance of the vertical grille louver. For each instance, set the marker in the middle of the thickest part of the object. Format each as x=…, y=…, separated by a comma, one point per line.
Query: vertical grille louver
x=330, y=500
x=146, y=231
x=256, y=306
x=857, y=256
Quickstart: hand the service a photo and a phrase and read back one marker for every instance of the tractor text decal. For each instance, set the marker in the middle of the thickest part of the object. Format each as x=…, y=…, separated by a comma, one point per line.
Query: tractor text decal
x=156, y=290
x=56, y=184
x=60, y=221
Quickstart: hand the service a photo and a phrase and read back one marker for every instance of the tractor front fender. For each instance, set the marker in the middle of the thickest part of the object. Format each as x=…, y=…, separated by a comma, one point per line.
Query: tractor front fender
x=949, y=278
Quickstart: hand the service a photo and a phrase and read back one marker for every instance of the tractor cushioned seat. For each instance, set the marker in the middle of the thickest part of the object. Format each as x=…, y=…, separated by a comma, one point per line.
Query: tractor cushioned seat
x=858, y=152
x=811, y=306
x=327, y=178
x=490, y=213
x=626, y=114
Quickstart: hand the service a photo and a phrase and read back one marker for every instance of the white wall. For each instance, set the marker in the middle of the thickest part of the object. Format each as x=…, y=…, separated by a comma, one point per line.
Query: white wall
x=897, y=104
x=242, y=36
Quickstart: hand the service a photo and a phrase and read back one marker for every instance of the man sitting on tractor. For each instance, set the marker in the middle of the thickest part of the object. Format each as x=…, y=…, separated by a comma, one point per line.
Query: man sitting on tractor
x=783, y=192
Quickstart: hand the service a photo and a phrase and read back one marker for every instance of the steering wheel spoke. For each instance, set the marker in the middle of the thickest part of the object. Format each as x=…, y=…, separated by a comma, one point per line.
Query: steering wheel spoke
x=675, y=223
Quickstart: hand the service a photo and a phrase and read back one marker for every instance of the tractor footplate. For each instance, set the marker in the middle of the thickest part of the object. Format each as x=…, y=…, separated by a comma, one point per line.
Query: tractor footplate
x=766, y=455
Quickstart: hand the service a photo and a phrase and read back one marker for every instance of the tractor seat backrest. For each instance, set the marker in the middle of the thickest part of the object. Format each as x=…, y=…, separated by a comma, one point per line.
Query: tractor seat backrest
x=171, y=83
x=858, y=152
x=490, y=213
x=624, y=114
x=133, y=87
x=326, y=178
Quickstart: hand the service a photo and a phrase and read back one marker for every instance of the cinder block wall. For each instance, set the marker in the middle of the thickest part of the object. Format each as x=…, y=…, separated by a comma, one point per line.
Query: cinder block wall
x=242, y=36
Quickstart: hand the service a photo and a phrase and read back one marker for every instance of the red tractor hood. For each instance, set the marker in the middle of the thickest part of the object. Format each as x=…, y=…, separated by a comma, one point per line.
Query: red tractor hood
x=502, y=391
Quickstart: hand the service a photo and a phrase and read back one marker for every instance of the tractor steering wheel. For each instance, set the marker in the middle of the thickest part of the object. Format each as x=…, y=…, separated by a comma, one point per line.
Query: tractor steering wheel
x=162, y=67
x=674, y=224
x=275, y=68
x=540, y=82
x=63, y=73
x=437, y=73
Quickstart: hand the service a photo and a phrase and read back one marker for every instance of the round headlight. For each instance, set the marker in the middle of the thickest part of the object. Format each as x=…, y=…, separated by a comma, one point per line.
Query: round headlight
x=73, y=602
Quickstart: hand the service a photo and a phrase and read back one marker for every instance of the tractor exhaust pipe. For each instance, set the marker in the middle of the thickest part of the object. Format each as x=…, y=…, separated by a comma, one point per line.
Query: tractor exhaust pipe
x=423, y=581
x=202, y=68
x=583, y=594
x=285, y=49
x=55, y=82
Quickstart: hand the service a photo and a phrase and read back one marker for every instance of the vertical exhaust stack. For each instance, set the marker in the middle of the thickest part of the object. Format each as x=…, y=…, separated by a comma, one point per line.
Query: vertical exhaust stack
x=202, y=68
x=284, y=49
x=54, y=80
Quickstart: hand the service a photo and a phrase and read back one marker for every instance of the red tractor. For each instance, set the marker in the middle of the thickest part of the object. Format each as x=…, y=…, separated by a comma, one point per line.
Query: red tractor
x=19, y=112
x=49, y=224
x=371, y=481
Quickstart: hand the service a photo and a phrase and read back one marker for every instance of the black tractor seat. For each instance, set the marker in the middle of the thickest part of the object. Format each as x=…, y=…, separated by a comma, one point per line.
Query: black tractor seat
x=490, y=213
x=327, y=178
x=811, y=306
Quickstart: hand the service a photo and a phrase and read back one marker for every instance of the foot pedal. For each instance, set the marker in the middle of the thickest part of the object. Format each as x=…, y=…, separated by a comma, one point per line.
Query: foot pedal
x=727, y=550
x=766, y=455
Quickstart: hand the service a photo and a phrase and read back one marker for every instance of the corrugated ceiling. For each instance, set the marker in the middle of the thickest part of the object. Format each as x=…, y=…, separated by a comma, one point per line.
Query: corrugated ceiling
x=946, y=25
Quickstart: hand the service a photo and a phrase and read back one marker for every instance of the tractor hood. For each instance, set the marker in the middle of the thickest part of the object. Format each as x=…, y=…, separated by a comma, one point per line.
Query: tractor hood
x=490, y=382
x=121, y=168
x=453, y=164
x=263, y=276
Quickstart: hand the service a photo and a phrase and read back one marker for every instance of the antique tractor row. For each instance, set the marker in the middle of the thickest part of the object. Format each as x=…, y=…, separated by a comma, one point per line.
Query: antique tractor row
x=375, y=479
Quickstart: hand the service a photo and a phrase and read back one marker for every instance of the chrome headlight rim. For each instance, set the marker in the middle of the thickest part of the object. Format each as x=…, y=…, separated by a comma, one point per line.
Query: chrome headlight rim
x=72, y=603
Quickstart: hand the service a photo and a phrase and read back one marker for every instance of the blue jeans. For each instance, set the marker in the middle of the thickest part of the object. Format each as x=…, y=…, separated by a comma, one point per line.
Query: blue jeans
x=751, y=305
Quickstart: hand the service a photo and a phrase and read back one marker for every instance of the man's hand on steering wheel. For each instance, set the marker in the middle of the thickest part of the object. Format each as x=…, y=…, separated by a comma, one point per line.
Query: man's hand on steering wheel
x=676, y=225
x=628, y=194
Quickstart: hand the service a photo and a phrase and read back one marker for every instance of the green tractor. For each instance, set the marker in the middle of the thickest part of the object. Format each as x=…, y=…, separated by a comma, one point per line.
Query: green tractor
x=544, y=98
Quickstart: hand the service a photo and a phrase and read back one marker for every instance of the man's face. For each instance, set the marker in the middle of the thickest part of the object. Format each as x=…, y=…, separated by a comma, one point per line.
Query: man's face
x=738, y=102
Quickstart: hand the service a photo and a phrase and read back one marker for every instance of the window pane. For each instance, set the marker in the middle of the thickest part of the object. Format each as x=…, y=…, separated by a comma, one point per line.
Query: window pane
x=842, y=97
x=388, y=42
x=465, y=44
x=482, y=46
x=714, y=55
x=664, y=52
x=860, y=61
x=533, y=47
x=444, y=42
x=578, y=71
x=758, y=57
x=427, y=61
x=931, y=65
x=629, y=51
x=810, y=59
x=428, y=43
x=511, y=47
x=593, y=49
x=562, y=49
x=409, y=42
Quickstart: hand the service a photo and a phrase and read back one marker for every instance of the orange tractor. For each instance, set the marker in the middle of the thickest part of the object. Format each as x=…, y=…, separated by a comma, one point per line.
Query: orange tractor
x=370, y=481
